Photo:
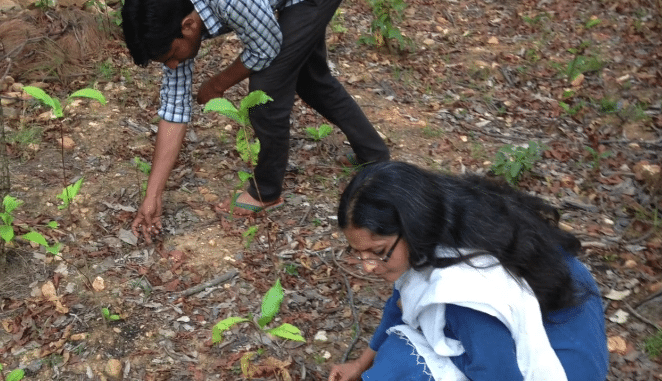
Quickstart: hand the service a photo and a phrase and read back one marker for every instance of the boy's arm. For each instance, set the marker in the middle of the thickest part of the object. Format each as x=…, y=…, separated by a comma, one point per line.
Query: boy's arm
x=169, y=141
x=215, y=86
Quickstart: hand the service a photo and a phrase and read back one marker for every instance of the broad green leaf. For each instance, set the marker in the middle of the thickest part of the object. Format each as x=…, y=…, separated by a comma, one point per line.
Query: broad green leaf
x=7, y=232
x=287, y=331
x=247, y=151
x=105, y=312
x=69, y=193
x=244, y=176
x=15, y=375
x=515, y=168
x=53, y=225
x=325, y=130
x=89, y=93
x=35, y=237
x=10, y=203
x=40, y=95
x=222, y=326
x=55, y=249
x=255, y=98
x=271, y=304
x=6, y=218
x=1, y=368
x=223, y=107
x=114, y=317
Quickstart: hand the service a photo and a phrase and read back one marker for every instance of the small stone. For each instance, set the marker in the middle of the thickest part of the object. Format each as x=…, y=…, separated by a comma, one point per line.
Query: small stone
x=113, y=369
x=99, y=284
x=67, y=143
x=321, y=336
x=630, y=264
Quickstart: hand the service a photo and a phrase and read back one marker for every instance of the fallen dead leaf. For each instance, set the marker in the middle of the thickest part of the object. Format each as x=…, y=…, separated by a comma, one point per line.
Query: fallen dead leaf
x=99, y=284
x=616, y=344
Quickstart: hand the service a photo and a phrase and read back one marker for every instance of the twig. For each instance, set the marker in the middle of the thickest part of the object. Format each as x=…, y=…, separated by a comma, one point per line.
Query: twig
x=218, y=280
x=638, y=315
x=305, y=215
x=356, y=324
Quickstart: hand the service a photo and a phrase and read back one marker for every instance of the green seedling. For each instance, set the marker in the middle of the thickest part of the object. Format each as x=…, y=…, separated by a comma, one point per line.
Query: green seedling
x=512, y=162
x=596, y=156
x=54, y=103
x=7, y=233
x=593, y=22
x=145, y=168
x=653, y=344
x=68, y=193
x=249, y=235
x=337, y=22
x=292, y=269
x=571, y=110
x=270, y=307
x=142, y=165
x=105, y=312
x=247, y=150
x=319, y=133
x=14, y=375
x=385, y=14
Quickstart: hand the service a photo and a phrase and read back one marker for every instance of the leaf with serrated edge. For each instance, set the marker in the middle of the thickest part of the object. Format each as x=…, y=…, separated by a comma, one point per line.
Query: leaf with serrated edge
x=35, y=237
x=255, y=98
x=287, y=331
x=222, y=326
x=15, y=375
x=89, y=93
x=223, y=107
x=7, y=232
x=271, y=303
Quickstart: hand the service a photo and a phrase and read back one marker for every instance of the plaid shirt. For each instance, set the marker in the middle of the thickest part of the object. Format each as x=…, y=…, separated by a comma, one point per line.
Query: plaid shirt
x=256, y=26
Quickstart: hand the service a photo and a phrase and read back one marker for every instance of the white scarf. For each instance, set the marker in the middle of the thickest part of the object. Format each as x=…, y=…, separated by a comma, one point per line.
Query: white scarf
x=487, y=288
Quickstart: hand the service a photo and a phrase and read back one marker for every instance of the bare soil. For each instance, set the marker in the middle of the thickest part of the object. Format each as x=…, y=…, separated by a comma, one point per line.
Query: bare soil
x=483, y=75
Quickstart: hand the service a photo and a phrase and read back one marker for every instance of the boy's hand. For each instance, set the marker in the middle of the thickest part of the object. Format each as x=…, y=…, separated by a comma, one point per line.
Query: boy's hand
x=148, y=219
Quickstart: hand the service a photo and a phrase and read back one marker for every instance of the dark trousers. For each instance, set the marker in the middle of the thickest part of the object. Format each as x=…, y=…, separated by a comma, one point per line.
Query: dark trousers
x=301, y=68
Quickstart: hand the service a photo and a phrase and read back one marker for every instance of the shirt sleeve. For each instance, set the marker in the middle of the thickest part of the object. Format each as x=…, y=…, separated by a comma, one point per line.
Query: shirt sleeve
x=489, y=348
x=392, y=316
x=176, y=93
x=255, y=24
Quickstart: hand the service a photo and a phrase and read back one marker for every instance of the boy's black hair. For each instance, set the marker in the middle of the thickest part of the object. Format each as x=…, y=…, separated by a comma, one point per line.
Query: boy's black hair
x=150, y=26
x=430, y=210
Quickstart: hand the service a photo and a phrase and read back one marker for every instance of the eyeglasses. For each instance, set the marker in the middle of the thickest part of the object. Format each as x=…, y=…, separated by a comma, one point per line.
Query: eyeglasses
x=357, y=254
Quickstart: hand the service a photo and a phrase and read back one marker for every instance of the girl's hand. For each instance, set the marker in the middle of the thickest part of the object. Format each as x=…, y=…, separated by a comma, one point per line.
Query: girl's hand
x=350, y=371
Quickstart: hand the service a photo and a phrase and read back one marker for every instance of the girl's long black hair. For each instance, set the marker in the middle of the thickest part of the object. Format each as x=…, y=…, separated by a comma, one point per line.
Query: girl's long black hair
x=430, y=210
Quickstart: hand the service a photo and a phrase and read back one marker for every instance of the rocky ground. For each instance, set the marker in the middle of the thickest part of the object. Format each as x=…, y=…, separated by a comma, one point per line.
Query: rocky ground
x=582, y=79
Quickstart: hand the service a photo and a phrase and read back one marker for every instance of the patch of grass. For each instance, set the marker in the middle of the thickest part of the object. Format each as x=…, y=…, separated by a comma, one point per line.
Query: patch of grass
x=512, y=162
x=431, y=132
x=106, y=69
x=26, y=136
x=653, y=344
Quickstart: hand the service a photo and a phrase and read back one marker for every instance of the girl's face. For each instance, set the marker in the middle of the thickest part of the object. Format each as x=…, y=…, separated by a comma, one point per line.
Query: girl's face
x=371, y=249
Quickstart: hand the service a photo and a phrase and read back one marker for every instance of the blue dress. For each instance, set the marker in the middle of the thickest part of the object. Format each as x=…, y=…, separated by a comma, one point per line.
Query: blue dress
x=577, y=335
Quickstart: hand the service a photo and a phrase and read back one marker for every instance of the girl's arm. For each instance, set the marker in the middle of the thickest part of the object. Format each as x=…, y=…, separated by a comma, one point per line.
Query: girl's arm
x=392, y=316
x=489, y=348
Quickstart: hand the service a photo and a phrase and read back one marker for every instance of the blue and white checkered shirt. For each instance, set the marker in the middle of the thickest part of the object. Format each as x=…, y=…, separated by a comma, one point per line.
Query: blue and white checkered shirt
x=256, y=26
